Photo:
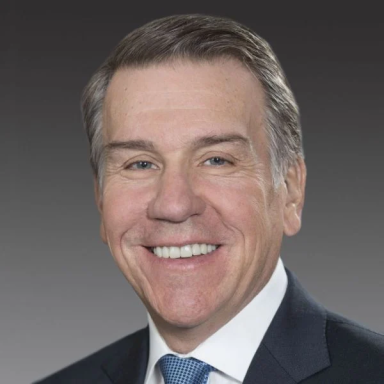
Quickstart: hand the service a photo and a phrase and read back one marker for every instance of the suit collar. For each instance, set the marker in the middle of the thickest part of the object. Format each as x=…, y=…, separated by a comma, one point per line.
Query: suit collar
x=129, y=364
x=294, y=346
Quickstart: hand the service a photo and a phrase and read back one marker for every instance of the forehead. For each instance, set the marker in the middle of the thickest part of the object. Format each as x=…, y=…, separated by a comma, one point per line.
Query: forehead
x=184, y=98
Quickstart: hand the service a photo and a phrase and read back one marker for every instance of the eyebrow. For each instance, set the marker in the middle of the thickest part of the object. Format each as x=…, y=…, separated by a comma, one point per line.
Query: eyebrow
x=201, y=142
x=208, y=141
x=140, y=145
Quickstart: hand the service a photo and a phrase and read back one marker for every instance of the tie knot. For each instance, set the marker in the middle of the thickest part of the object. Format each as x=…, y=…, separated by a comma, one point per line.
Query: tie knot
x=177, y=370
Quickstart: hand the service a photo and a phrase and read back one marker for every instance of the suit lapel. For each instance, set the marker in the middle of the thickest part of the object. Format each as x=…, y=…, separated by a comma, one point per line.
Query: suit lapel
x=129, y=365
x=265, y=369
x=294, y=346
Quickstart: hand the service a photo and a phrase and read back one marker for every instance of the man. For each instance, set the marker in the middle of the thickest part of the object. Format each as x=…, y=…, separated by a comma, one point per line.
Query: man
x=199, y=172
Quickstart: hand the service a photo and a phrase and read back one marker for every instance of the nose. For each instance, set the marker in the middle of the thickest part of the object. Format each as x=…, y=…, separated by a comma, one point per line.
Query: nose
x=175, y=199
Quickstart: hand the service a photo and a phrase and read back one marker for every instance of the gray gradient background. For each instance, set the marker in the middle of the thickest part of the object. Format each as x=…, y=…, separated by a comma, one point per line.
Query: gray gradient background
x=61, y=295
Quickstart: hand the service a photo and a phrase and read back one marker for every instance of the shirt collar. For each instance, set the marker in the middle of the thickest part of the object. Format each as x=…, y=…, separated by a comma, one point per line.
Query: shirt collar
x=243, y=333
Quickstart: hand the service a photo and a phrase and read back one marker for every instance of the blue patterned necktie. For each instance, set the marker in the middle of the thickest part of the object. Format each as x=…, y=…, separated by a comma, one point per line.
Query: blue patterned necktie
x=177, y=370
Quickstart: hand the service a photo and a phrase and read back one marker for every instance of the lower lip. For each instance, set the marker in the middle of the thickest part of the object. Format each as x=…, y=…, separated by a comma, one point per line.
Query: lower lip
x=185, y=263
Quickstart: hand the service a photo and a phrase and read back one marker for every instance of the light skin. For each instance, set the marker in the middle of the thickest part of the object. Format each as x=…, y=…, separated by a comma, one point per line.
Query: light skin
x=187, y=162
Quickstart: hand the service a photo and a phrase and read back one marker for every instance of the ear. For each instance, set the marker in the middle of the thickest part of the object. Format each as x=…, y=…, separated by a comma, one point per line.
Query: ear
x=99, y=204
x=295, y=190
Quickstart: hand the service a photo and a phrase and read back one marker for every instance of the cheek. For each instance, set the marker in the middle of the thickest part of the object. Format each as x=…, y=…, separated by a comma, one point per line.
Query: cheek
x=124, y=208
x=252, y=213
x=240, y=202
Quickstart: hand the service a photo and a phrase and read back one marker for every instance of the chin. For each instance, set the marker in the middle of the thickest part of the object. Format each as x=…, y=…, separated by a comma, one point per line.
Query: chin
x=186, y=321
x=185, y=316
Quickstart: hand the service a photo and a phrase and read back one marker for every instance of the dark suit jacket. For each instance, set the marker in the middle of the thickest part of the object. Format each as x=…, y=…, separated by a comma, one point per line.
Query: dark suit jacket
x=304, y=344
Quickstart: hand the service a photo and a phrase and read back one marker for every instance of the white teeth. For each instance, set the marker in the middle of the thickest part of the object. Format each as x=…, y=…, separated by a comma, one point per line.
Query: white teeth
x=165, y=251
x=196, y=249
x=184, y=251
x=174, y=252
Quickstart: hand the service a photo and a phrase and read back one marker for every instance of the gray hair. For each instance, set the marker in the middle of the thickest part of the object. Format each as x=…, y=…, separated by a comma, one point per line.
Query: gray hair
x=200, y=37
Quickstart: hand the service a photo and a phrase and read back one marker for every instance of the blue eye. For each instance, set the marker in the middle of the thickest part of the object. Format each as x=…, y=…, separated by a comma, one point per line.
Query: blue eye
x=216, y=161
x=141, y=165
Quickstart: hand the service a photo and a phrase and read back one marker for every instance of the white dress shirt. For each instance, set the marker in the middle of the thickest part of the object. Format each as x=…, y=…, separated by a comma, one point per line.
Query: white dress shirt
x=243, y=334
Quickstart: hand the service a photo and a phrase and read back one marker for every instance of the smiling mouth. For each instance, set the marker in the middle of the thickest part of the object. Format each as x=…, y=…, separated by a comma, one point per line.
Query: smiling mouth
x=184, y=251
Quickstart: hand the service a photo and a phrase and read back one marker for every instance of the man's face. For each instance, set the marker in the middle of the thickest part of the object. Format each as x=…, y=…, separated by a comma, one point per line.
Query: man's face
x=187, y=170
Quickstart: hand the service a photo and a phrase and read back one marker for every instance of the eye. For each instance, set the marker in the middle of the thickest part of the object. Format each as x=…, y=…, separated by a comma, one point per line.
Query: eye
x=141, y=165
x=216, y=161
